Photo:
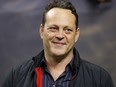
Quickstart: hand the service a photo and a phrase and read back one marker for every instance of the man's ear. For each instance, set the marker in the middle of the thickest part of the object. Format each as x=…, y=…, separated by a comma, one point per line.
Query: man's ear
x=41, y=31
x=77, y=34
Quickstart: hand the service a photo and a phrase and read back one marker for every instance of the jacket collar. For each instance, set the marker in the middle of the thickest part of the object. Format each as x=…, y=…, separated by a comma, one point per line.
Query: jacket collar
x=38, y=58
x=74, y=64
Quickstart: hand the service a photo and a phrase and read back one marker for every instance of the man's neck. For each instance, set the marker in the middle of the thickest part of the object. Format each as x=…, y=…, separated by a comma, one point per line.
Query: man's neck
x=57, y=67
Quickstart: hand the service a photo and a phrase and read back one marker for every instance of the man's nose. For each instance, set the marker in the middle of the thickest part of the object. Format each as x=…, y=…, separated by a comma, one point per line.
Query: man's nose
x=60, y=35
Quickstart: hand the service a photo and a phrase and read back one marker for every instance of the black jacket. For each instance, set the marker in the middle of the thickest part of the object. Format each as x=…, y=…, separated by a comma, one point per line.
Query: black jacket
x=86, y=74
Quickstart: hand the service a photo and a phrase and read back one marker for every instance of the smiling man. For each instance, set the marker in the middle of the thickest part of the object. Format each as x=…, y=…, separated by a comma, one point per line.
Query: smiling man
x=59, y=64
x=59, y=34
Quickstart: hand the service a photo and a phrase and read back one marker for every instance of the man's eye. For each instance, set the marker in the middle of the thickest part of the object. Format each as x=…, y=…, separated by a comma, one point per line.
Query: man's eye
x=68, y=30
x=52, y=29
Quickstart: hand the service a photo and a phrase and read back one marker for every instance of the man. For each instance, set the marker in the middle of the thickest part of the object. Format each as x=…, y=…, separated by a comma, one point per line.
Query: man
x=59, y=64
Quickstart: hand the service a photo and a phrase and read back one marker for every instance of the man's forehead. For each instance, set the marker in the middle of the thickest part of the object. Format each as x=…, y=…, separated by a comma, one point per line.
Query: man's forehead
x=60, y=16
x=56, y=10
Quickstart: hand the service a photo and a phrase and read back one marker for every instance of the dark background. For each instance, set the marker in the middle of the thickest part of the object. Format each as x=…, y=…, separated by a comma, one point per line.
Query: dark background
x=20, y=40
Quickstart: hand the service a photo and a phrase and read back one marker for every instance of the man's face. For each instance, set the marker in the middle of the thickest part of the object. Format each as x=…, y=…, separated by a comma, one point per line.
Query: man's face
x=59, y=33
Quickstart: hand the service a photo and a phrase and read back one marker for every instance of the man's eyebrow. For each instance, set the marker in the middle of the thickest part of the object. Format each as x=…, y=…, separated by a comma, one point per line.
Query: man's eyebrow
x=68, y=27
x=53, y=25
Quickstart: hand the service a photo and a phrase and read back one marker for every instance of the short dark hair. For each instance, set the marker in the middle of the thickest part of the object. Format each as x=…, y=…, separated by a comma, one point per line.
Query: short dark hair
x=65, y=4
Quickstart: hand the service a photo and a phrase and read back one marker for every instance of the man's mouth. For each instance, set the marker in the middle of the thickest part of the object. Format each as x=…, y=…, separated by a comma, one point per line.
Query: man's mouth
x=59, y=43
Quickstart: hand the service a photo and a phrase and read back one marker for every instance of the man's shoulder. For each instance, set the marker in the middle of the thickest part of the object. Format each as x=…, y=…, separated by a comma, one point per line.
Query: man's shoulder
x=94, y=70
x=30, y=64
x=23, y=68
x=93, y=67
x=24, y=65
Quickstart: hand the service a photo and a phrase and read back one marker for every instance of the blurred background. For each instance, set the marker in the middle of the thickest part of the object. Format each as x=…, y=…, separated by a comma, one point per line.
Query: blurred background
x=20, y=40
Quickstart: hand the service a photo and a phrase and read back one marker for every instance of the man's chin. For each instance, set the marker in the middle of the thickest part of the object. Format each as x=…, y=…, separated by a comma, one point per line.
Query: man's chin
x=58, y=53
x=58, y=57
